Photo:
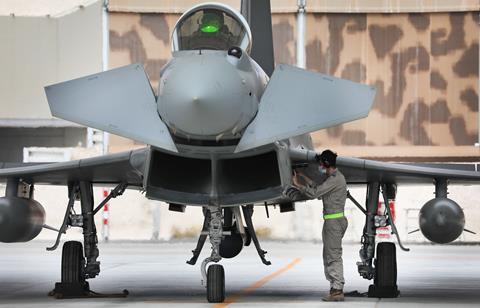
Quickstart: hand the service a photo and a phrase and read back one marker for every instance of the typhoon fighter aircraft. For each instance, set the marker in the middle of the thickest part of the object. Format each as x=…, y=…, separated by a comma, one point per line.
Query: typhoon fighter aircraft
x=225, y=132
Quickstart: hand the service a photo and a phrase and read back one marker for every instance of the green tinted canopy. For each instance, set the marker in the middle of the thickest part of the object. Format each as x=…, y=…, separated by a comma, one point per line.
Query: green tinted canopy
x=211, y=22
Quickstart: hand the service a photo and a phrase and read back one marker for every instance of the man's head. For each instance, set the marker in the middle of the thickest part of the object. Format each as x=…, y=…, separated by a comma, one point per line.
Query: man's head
x=327, y=159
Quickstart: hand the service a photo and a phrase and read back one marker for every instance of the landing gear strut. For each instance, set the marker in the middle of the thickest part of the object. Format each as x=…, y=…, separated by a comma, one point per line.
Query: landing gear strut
x=215, y=278
x=77, y=267
x=227, y=235
x=383, y=270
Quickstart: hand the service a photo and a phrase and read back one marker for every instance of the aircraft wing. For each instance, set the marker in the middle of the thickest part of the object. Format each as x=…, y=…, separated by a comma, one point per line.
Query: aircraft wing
x=126, y=167
x=120, y=101
x=359, y=171
x=297, y=101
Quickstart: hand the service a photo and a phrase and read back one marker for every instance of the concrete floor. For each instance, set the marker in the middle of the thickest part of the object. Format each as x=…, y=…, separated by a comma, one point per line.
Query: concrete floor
x=156, y=275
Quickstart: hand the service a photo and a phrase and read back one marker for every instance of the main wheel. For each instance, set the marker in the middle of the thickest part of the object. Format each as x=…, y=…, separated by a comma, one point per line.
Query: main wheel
x=386, y=265
x=72, y=262
x=215, y=284
x=385, y=282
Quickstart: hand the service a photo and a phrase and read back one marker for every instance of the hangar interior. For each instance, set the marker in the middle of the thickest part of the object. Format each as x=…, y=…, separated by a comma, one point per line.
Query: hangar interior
x=423, y=60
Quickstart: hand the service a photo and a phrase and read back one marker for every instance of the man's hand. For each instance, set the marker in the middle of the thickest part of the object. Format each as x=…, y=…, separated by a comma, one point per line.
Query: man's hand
x=299, y=179
x=295, y=179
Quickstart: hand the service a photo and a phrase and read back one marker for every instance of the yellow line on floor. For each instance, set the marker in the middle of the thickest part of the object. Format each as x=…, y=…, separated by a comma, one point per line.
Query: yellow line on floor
x=232, y=299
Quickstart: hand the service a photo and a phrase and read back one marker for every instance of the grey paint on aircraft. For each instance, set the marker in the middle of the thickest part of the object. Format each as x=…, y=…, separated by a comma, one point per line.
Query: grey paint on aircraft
x=297, y=101
x=208, y=95
x=120, y=101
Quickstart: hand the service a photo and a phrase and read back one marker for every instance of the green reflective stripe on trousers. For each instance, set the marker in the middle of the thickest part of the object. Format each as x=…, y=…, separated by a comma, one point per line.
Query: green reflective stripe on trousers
x=333, y=216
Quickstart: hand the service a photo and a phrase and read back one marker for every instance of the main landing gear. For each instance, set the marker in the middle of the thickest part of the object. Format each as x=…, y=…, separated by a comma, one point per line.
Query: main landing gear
x=382, y=269
x=228, y=235
x=77, y=267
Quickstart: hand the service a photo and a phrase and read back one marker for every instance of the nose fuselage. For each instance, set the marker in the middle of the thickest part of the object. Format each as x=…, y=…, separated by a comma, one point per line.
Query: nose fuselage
x=209, y=95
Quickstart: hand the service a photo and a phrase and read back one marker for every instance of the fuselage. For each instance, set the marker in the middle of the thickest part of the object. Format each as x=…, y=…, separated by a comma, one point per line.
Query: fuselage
x=208, y=93
x=209, y=96
x=210, y=90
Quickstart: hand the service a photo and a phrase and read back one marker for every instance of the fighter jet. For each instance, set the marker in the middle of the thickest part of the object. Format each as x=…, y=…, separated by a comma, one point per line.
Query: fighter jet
x=225, y=131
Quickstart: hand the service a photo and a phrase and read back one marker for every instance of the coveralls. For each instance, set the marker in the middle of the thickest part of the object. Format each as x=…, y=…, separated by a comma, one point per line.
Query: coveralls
x=333, y=192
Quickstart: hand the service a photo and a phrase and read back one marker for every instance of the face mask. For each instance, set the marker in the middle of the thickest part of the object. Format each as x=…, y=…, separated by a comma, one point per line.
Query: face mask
x=322, y=170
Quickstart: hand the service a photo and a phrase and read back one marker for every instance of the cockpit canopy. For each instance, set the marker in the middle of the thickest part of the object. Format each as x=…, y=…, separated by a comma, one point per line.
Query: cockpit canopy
x=211, y=26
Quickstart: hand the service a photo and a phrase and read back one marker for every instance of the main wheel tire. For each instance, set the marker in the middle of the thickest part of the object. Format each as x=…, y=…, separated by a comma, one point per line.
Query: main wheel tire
x=215, y=284
x=72, y=262
x=386, y=265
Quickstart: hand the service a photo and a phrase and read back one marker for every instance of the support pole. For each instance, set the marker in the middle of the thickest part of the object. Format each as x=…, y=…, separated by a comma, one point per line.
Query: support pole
x=301, y=63
x=105, y=59
x=478, y=87
x=106, y=217
x=302, y=219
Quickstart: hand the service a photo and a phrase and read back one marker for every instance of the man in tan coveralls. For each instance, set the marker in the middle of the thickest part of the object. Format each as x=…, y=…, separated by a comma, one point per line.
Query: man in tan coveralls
x=333, y=192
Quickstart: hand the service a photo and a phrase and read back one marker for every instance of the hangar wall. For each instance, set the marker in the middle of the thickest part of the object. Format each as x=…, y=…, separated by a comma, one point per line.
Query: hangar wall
x=423, y=62
x=44, y=42
x=425, y=69
x=40, y=50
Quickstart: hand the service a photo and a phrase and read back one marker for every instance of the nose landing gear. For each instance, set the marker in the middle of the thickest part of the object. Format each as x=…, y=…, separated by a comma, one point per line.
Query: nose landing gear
x=214, y=279
x=223, y=225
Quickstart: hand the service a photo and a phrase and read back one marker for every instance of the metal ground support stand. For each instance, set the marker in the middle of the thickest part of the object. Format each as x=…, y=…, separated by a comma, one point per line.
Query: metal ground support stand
x=215, y=279
x=247, y=214
x=201, y=239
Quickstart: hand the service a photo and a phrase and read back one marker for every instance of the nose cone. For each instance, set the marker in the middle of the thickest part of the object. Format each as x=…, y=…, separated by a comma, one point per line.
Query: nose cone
x=204, y=95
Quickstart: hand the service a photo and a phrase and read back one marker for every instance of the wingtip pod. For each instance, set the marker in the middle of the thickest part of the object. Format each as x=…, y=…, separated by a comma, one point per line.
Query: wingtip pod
x=120, y=101
x=297, y=101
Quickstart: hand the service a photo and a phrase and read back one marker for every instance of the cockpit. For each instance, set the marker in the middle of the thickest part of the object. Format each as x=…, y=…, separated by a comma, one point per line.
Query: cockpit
x=211, y=26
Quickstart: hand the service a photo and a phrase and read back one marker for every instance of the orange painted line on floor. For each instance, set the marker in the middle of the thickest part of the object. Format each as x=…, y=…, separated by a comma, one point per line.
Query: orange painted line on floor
x=232, y=299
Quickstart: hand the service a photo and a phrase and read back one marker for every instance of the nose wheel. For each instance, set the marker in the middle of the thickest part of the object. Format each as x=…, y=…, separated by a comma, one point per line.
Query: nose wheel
x=215, y=284
x=214, y=278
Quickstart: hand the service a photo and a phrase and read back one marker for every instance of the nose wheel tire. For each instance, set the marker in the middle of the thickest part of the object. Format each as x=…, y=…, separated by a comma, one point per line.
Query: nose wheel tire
x=215, y=284
x=72, y=262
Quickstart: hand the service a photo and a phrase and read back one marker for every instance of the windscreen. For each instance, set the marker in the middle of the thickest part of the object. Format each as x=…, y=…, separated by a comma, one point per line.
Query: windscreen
x=210, y=29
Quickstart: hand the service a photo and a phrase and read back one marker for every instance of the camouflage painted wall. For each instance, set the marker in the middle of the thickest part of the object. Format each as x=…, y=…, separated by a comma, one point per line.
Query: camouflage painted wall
x=141, y=38
x=425, y=68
